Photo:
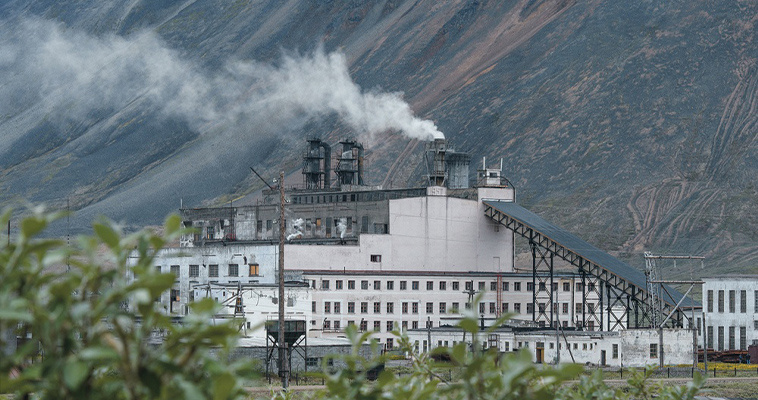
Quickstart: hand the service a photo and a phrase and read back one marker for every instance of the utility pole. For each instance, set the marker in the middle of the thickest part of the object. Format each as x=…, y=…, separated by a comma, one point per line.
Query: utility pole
x=283, y=359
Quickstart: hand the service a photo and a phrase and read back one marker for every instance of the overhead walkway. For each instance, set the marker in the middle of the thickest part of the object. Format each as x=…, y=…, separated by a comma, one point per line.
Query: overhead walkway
x=620, y=285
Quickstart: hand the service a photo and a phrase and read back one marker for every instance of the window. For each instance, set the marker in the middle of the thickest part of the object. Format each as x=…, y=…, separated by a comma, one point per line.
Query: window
x=364, y=307
x=615, y=351
x=710, y=301
x=213, y=270
x=325, y=285
x=565, y=308
x=653, y=350
x=443, y=308
x=351, y=307
x=529, y=308
x=337, y=325
x=578, y=308
x=269, y=225
x=390, y=308
x=456, y=286
x=567, y=288
x=721, y=338
x=209, y=232
x=390, y=341
x=429, y=285
x=253, y=269
x=505, y=307
x=455, y=307
x=516, y=286
x=377, y=307
x=709, y=331
x=364, y=325
x=415, y=307
x=755, y=297
x=364, y=285
x=414, y=285
x=429, y=308
x=404, y=325
x=469, y=286
x=529, y=286
x=377, y=326
x=403, y=285
x=743, y=301
x=732, y=301
x=327, y=307
x=390, y=285
x=390, y=328
x=405, y=307
x=376, y=258
x=327, y=325
x=443, y=285
x=591, y=308
x=414, y=325
x=517, y=308
x=234, y=270
x=311, y=362
x=337, y=306
x=493, y=286
x=743, y=338
x=194, y=271
x=175, y=270
x=505, y=287
x=721, y=301
x=351, y=285
x=338, y=285
x=492, y=308
x=377, y=285
x=732, y=345
x=542, y=286
x=481, y=286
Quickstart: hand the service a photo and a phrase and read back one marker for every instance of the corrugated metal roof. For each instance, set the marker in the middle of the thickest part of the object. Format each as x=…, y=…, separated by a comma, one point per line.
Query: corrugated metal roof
x=583, y=249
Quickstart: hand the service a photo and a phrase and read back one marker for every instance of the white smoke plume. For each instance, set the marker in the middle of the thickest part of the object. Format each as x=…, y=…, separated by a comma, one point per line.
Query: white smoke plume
x=297, y=229
x=71, y=75
x=342, y=227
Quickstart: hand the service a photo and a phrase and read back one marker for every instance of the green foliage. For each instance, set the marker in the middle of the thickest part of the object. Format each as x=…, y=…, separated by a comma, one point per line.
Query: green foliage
x=91, y=329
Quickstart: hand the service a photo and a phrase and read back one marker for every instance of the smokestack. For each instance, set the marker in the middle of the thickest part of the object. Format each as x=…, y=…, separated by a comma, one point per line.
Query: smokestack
x=327, y=165
x=435, y=154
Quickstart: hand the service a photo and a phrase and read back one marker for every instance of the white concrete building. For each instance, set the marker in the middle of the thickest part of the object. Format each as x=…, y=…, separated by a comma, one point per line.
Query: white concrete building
x=628, y=348
x=730, y=306
x=395, y=259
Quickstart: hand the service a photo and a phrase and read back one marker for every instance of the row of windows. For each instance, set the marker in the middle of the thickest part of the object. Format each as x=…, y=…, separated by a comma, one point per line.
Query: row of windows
x=213, y=270
x=443, y=285
x=413, y=307
x=731, y=344
x=732, y=301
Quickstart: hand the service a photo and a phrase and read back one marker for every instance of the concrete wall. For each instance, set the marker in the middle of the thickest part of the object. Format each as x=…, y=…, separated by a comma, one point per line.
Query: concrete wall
x=636, y=347
x=732, y=321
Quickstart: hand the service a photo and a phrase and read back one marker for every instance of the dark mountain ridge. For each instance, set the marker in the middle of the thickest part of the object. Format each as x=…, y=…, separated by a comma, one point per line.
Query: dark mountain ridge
x=630, y=124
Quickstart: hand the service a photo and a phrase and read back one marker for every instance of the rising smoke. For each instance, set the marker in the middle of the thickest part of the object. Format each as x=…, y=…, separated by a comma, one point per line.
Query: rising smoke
x=70, y=75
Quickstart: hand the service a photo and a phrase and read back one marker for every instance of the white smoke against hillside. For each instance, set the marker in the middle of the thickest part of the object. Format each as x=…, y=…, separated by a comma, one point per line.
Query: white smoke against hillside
x=72, y=76
x=342, y=227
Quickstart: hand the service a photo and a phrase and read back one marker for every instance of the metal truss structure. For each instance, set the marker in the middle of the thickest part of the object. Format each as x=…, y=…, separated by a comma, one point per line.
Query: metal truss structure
x=622, y=290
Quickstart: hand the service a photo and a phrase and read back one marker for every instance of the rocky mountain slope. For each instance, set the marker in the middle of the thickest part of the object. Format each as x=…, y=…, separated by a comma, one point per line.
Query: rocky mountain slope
x=631, y=124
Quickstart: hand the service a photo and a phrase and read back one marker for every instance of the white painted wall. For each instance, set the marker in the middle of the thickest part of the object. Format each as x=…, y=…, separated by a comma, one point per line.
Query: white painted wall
x=435, y=233
x=731, y=318
x=635, y=346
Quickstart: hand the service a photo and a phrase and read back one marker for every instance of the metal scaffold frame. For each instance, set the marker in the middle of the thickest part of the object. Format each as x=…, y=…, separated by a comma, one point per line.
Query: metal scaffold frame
x=627, y=284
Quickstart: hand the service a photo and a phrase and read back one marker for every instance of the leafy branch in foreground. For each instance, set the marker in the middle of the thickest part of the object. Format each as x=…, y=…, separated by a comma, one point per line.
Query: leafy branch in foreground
x=90, y=329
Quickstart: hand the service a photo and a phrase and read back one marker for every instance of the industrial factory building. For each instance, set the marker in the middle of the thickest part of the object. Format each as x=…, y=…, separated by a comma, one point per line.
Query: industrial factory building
x=406, y=259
